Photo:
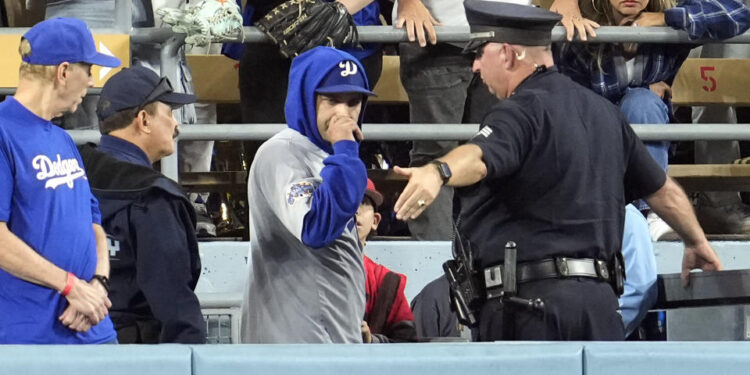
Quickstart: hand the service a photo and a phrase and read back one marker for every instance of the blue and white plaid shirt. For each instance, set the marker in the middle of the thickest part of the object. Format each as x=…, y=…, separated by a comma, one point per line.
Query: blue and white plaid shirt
x=714, y=19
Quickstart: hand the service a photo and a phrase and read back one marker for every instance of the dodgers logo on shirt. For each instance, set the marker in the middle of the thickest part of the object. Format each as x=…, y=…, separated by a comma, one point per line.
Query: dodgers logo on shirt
x=299, y=190
x=57, y=172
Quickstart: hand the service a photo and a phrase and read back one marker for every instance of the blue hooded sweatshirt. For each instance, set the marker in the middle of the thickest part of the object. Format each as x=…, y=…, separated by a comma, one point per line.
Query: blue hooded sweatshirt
x=344, y=175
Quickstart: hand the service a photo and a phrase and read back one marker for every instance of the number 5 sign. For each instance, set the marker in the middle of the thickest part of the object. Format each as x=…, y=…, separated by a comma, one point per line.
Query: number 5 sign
x=712, y=81
x=706, y=72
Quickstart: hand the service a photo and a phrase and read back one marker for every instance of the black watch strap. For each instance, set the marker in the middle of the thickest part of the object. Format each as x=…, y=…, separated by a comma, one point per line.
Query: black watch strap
x=104, y=280
x=443, y=169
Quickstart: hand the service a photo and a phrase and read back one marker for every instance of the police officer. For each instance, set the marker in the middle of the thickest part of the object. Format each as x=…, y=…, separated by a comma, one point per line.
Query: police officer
x=551, y=169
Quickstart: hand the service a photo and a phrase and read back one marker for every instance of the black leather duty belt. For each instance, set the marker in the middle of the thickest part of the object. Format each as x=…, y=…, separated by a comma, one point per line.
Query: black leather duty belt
x=551, y=268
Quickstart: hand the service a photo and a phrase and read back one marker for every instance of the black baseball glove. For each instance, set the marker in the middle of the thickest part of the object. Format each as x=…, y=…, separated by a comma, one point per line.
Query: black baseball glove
x=299, y=25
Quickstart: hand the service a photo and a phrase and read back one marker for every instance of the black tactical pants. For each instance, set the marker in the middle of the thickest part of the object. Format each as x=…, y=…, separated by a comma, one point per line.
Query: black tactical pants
x=576, y=309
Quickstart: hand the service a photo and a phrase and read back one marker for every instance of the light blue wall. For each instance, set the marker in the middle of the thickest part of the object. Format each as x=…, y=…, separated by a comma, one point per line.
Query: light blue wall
x=500, y=358
x=95, y=359
x=391, y=359
x=225, y=263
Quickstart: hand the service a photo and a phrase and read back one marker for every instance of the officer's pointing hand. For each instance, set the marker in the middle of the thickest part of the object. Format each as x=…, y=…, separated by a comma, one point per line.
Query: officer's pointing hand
x=422, y=189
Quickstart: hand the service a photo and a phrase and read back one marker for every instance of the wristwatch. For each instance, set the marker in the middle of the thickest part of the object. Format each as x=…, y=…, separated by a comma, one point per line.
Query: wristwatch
x=104, y=280
x=443, y=169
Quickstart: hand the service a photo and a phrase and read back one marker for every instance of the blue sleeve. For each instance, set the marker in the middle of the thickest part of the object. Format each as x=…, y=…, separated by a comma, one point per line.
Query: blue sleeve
x=640, y=269
x=337, y=198
x=96, y=214
x=714, y=19
x=6, y=183
x=367, y=16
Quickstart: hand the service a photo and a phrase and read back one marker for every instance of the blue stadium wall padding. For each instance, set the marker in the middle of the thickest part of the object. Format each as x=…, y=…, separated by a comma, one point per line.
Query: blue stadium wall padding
x=390, y=359
x=683, y=358
x=95, y=359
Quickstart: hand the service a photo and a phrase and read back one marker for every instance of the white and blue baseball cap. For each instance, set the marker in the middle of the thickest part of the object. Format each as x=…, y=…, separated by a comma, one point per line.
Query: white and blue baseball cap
x=344, y=78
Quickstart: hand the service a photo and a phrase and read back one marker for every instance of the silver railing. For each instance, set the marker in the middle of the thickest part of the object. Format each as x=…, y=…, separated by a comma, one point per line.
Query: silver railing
x=445, y=34
x=457, y=34
x=440, y=132
x=171, y=42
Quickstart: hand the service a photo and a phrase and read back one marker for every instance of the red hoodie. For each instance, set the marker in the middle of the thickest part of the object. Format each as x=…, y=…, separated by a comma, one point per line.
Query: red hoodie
x=399, y=326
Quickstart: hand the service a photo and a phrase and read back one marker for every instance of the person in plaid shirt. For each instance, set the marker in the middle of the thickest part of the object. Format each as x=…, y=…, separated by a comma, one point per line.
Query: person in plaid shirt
x=637, y=77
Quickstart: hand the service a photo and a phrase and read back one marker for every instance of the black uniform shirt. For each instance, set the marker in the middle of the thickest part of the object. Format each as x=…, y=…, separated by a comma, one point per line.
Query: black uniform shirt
x=562, y=162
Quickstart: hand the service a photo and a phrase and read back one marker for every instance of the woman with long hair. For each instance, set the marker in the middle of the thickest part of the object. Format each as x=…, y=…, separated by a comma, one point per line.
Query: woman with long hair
x=638, y=77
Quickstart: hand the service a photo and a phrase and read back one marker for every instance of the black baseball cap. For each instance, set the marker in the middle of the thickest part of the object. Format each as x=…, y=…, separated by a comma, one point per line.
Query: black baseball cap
x=501, y=22
x=137, y=87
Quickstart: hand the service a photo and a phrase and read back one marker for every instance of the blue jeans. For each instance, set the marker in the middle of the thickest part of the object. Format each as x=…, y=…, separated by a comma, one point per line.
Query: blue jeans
x=642, y=106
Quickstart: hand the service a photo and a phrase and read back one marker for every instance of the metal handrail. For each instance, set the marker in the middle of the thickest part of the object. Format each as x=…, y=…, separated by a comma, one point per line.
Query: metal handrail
x=412, y=132
x=389, y=34
x=448, y=34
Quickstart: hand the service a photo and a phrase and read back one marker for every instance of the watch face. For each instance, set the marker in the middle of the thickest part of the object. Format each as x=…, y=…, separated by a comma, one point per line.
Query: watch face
x=445, y=172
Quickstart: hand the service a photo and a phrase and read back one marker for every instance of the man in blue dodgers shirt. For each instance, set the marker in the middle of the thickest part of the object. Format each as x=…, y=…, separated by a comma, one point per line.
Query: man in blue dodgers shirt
x=53, y=252
x=307, y=283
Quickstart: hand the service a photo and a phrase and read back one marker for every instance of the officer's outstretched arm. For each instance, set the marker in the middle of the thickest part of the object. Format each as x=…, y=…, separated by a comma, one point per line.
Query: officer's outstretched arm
x=672, y=205
x=467, y=168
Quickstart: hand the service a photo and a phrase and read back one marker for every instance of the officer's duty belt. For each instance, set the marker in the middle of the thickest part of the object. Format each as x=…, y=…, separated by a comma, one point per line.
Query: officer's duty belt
x=551, y=268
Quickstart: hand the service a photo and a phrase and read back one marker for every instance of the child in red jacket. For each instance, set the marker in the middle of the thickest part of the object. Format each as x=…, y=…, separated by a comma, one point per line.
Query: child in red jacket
x=388, y=317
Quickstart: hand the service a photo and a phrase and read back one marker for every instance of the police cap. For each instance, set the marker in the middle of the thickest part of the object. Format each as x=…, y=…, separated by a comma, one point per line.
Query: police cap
x=503, y=22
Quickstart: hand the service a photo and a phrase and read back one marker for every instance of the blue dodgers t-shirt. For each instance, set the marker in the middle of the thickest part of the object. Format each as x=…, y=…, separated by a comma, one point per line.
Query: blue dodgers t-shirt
x=46, y=201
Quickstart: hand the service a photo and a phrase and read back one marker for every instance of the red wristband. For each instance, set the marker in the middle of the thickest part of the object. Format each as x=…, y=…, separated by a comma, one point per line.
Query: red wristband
x=69, y=284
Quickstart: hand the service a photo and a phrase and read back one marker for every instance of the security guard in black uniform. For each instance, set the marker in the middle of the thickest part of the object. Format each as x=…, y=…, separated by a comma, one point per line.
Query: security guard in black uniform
x=549, y=171
x=149, y=221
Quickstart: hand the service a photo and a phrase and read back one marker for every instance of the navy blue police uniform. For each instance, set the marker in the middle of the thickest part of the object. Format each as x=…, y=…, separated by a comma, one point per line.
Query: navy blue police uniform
x=561, y=165
x=154, y=257
x=150, y=223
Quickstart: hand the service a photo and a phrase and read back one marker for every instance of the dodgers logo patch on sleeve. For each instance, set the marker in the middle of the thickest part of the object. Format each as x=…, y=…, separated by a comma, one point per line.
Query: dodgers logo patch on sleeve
x=299, y=190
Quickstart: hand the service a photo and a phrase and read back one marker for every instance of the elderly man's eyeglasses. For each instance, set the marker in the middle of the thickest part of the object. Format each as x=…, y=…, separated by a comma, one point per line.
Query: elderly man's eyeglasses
x=164, y=87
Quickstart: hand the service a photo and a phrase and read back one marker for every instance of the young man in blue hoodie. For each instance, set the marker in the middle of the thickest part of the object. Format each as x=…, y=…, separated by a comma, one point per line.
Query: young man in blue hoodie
x=307, y=277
